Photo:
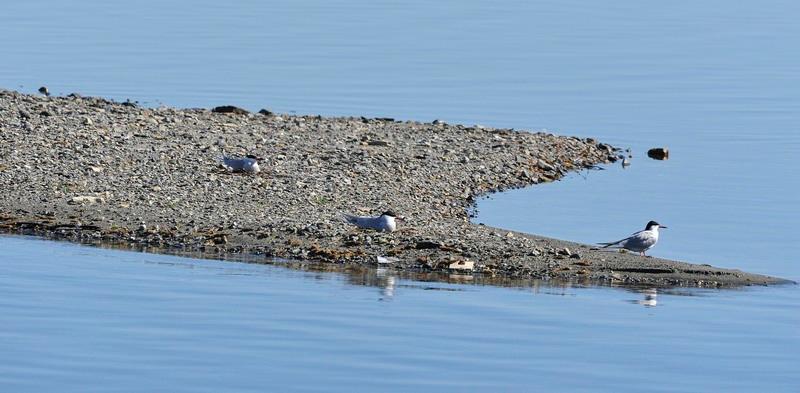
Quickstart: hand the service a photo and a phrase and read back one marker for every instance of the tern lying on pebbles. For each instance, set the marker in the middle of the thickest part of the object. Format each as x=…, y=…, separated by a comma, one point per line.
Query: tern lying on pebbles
x=385, y=222
x=640, y=241
x=249, y=165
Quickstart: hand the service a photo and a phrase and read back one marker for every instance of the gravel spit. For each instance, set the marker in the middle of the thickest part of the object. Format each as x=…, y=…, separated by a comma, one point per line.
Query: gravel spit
x=89, y=169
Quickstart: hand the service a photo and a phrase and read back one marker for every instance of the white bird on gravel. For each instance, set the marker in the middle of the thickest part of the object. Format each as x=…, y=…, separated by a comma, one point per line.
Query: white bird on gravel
x=247, y=164
x=385, y=222
x=640, y=241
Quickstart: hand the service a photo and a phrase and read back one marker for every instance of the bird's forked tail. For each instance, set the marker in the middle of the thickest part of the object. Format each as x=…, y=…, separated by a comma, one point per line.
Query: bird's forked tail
x=350, y=218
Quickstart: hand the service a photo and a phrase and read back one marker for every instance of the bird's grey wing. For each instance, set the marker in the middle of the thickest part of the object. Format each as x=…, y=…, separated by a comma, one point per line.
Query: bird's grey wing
x=352, y=219
x=618, y=243
x=361, y=221
x=626, y=241
x=641, y=241
x=637, y=233
x=369, y=222
x=235, y=163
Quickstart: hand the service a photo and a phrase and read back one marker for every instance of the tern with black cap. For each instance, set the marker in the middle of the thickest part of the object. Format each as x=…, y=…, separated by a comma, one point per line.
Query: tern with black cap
x=386, y=222
x=640, y=241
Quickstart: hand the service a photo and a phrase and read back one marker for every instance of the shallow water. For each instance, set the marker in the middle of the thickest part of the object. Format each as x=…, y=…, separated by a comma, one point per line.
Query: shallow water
x=86, y=319
x=718, y=83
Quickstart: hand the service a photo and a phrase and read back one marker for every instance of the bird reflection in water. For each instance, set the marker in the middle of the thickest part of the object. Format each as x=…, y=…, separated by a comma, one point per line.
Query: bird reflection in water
x=387, y=282
x=650, y=298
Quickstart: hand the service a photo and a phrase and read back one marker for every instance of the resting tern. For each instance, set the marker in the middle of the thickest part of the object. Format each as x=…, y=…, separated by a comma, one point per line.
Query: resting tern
x=640, y=241
x=247, y=164
x=385, y=222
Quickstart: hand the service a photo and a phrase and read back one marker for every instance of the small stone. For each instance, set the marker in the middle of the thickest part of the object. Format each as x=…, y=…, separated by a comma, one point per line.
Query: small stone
x=87, y=121
x=658, y=153
x=230, y=109
x=427, y=245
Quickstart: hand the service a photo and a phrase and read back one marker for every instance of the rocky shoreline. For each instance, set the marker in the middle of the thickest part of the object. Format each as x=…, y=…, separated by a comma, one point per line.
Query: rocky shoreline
x=93, y=170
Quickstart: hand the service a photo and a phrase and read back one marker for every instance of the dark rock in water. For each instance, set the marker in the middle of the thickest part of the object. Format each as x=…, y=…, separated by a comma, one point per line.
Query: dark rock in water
x=658, y=153
x=44, y=91
x=266, y=112
x=387, y=119
x=230, y=109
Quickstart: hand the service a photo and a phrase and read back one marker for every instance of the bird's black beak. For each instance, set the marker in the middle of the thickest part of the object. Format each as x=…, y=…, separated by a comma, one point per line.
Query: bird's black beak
x=661, y=226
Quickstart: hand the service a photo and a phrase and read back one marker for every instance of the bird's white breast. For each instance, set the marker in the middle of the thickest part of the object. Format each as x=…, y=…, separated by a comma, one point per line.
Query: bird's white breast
x=388, y=223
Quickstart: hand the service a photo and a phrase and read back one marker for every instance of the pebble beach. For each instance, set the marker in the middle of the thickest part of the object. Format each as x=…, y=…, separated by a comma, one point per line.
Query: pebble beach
x=92, y=170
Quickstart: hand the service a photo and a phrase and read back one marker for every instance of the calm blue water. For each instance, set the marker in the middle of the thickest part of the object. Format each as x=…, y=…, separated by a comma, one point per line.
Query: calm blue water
x=85, y=319
x=716, y=82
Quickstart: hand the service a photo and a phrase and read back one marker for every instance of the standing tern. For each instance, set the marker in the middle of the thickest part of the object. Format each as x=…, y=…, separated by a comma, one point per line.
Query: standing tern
x=385, y=222
x=640, y=241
